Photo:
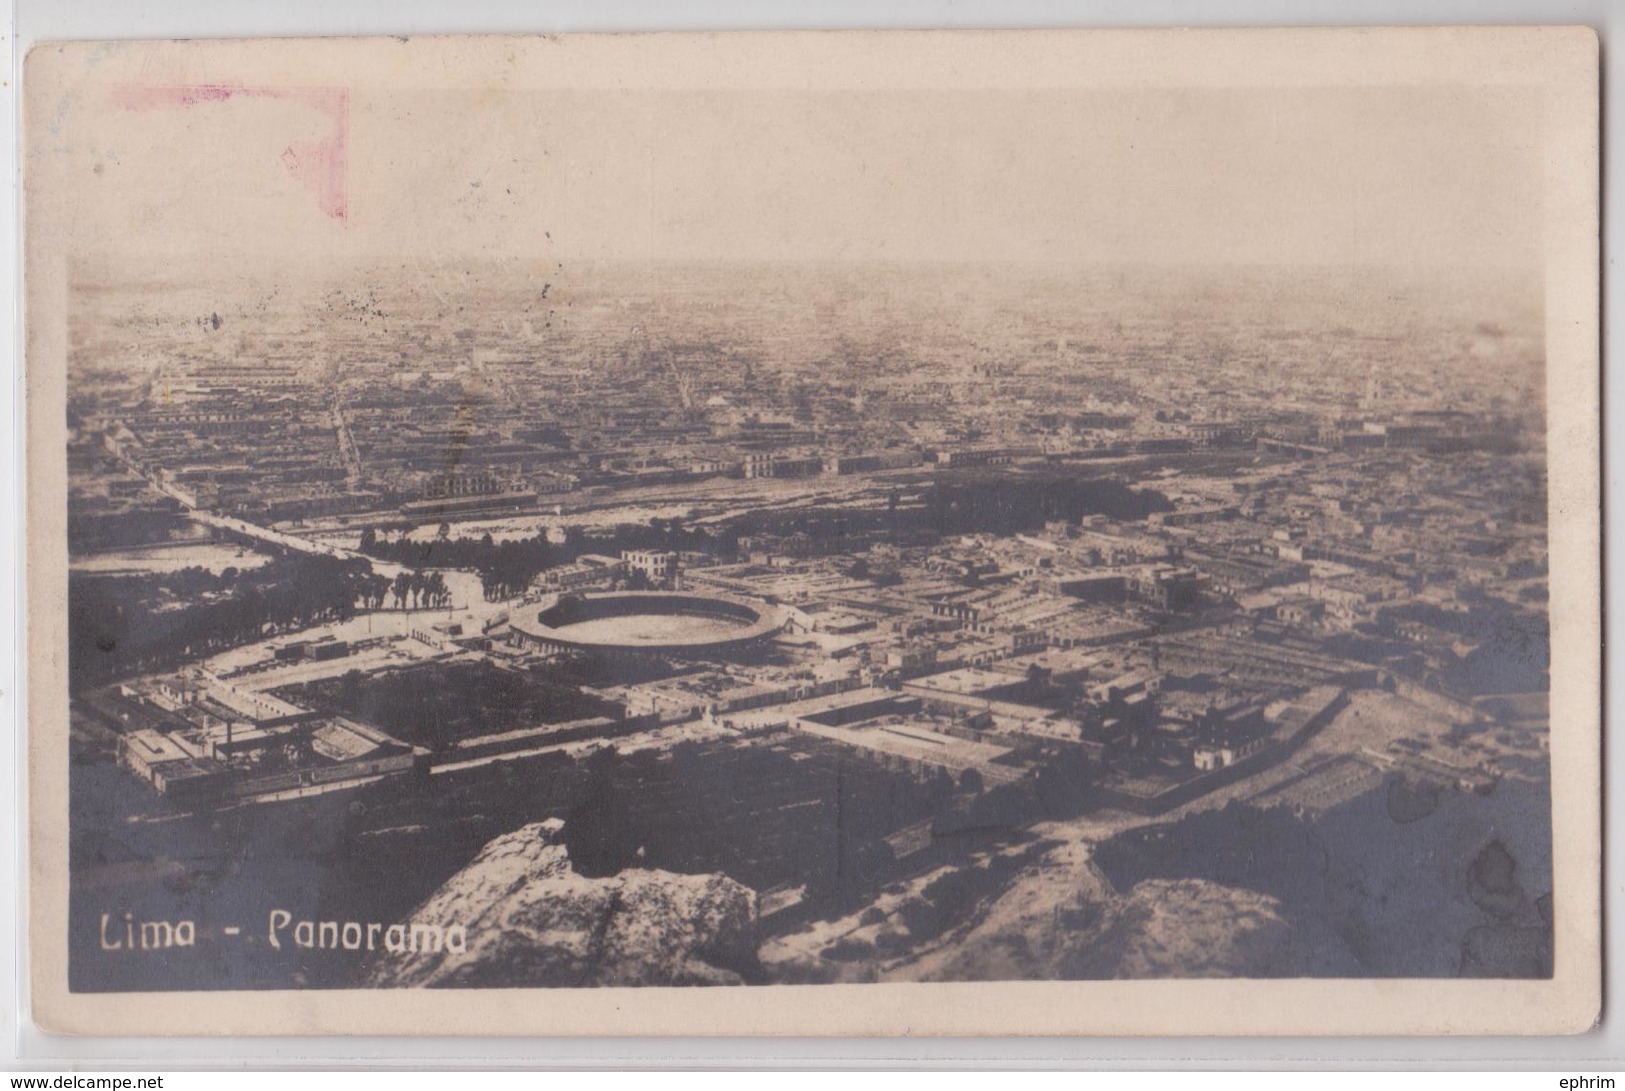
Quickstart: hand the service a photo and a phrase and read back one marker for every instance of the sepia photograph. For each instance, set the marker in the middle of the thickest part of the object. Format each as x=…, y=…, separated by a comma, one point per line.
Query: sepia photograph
x=734, y=531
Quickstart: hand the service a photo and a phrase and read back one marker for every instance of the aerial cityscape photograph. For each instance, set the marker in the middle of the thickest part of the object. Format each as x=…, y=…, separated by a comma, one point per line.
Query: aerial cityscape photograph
x=762, y=629
x=1059, y=575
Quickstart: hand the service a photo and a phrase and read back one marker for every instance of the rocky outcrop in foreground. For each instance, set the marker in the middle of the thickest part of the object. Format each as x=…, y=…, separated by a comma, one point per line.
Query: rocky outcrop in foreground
x=531, y=920
x=1065, y=921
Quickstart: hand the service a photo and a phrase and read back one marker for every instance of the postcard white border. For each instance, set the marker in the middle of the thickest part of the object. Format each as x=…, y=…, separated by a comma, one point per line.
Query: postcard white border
x=1560, y=63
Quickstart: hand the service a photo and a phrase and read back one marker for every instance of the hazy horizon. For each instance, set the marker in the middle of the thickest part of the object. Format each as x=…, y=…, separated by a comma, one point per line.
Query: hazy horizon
x=1430, y=179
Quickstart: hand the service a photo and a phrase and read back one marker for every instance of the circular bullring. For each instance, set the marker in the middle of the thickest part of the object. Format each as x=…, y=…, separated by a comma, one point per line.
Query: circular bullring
x=647, y=623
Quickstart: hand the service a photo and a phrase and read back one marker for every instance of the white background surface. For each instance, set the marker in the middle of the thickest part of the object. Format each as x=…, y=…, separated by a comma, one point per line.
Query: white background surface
x=36, y=20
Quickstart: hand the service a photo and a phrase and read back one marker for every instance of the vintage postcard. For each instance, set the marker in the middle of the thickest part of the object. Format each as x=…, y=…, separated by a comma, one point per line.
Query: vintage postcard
x=844, y=533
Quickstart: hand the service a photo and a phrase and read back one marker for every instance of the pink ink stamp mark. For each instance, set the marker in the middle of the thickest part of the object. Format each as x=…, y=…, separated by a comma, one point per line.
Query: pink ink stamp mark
x=321, y=165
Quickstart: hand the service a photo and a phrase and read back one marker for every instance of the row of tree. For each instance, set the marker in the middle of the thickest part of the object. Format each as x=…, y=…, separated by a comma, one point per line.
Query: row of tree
x=121, y=624
x=409, y=590
x=508, y=568
x=994, y=503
